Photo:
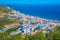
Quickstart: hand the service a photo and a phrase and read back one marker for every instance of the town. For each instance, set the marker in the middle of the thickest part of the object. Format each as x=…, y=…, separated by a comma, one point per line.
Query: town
x=28, y=24
x=15, y=25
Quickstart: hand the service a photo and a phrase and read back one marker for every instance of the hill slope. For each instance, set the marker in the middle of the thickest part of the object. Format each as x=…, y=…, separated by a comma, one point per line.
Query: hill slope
x=5, y=8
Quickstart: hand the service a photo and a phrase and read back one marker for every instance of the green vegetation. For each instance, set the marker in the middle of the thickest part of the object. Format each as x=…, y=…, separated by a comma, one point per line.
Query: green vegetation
x=5, y=9
x=54, y=35
x=38, y=36
x=6, y=35
x=4, y=21
x=57, y=29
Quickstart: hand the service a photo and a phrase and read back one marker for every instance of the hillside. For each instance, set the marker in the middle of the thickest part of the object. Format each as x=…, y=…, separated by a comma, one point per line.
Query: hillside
x=4, y=16
x=18, y=26
x=5, y=8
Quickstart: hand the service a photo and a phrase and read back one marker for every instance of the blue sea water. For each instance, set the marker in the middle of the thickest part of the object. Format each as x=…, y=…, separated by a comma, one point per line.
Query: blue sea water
x=43, y=11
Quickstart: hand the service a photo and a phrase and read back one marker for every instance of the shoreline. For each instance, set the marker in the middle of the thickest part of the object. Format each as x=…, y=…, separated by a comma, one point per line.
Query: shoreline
x=45, y=17
x=38, y=16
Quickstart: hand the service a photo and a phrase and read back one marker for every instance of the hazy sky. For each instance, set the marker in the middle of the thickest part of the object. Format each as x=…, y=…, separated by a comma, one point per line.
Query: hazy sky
x=30, y=1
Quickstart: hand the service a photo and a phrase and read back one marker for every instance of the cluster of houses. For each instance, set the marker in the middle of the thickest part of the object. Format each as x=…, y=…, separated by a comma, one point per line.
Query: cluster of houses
x=28, y=24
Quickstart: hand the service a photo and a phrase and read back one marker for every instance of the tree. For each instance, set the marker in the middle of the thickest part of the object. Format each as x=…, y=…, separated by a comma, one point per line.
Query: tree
x=54, y=35
x=26, y=37
x=38, y=36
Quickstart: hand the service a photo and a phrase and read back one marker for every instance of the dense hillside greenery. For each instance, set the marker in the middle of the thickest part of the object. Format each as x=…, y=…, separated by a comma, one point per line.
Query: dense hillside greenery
x=54, y=35
x=4, y=21
x=6, y=35
x=38, y=36
x=5, y=9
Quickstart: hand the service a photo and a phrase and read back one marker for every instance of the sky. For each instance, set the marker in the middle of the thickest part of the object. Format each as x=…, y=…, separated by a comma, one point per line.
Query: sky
x=29, y=1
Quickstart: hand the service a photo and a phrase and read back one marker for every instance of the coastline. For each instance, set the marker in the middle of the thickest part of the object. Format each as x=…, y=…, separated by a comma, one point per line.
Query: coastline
x=26, y=10
x=39, y=17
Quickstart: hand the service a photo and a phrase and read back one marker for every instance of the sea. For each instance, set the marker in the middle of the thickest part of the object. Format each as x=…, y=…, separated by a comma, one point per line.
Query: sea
x=51, y=12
